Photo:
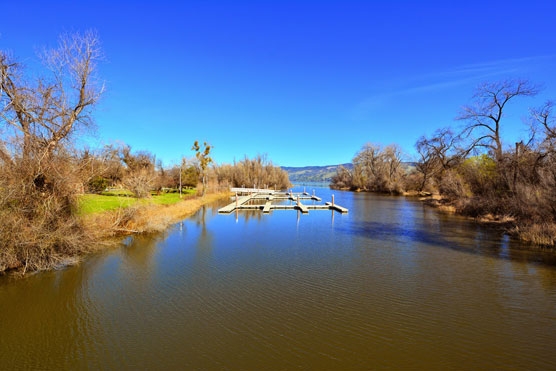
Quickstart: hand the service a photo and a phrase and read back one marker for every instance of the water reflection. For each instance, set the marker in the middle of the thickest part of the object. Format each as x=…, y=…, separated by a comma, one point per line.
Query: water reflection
x=140, y=252
x=49, y=316
x=391, y=283
x=412, y=222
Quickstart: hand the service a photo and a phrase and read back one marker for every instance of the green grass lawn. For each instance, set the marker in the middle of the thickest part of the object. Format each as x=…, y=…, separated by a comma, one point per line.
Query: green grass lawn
x=117, y=192
x=170, y=198
x=94, y=203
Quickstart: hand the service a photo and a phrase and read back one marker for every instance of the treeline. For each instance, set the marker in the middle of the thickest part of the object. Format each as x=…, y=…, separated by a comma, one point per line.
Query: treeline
x=258, y=172
x=138, y=172
x=472, y=166
x=42, y=173
x=375, y=168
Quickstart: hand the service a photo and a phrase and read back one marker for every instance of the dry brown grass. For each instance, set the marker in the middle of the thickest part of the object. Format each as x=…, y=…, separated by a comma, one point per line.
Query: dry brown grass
x=439, y=202
x=146, y=218
x=414, y=193
x=496, y=219
x=538, y=234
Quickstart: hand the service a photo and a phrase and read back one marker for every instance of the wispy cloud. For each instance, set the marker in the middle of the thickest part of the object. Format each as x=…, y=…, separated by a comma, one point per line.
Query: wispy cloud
x=488, y=67
x=450, y=78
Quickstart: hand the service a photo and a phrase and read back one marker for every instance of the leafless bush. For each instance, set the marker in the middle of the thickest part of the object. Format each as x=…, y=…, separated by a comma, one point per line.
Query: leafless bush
x=257, y=172
x=39, y=228
x=139, y=181
x=343, y=178
x=103, y=165
x=415, y=182
x=140, y=173
x=453, y=185
x=375, y=168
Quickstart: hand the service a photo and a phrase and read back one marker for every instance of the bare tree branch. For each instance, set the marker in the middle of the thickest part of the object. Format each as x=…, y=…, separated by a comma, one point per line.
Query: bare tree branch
x=486, y=111
x=55, y=106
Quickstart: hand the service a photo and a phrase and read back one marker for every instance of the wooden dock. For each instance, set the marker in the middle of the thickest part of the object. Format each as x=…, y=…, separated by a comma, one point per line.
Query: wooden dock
x=236, y=204
x=266, y=208
x=343, y=210
x=246, y=195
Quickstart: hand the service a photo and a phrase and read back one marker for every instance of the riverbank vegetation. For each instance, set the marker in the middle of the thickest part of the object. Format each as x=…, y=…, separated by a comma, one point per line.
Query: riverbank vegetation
x=90, y=203
x=59, y=199
x=473, y=169
x=145, y=217
x=258, y=172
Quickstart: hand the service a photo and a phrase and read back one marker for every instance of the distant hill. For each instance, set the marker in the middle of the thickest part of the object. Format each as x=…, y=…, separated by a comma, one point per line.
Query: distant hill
x=322, y=173
x=313, y=173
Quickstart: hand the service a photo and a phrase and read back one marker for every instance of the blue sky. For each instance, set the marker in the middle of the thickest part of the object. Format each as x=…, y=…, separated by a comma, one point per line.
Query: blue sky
x=307, y=83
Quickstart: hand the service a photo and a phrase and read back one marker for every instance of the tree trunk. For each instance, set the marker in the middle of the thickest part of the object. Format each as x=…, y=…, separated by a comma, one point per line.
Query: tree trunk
x=423, y=183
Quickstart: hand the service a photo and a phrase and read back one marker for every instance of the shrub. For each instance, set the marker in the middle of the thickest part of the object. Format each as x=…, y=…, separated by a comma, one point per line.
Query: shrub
x=98, y=184
x=258, y=172
x=39, y=229
x=140, y=182
x=453, y=185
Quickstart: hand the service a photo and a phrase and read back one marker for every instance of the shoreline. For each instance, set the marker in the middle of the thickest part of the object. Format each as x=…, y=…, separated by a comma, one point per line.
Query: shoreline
x=104, y=230
x=536, y=236
x=145, y=218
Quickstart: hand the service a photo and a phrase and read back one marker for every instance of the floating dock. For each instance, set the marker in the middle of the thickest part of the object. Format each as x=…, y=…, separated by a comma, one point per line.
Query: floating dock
x=245, y=196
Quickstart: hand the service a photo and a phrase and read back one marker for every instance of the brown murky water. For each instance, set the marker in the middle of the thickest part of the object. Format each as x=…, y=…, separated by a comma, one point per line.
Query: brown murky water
x=391, y=284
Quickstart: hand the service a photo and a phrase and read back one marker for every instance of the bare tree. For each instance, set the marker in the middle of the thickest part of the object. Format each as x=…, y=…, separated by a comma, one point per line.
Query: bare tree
x=140, y=173
x=428, y=163
x=48, y=110
x=485, y=114
x=545, y=118
x=392, y=158
x=40, y=173
x=378, y=168
x=365, y=165
x=342, y=178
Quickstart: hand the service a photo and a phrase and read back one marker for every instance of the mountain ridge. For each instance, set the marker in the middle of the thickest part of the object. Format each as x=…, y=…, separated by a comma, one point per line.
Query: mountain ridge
x=322, y=173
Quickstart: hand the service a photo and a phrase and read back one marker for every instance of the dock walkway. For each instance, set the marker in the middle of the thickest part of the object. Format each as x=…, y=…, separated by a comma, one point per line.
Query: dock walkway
x=245, y=195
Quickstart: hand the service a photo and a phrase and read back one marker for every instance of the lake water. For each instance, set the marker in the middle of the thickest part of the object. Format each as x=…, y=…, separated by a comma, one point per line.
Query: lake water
x=391, y=284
